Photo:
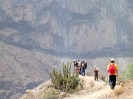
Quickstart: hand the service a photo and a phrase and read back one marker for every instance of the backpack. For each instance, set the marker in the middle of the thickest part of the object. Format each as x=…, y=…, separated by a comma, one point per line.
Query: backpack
x=111, y=69
x=85, y=65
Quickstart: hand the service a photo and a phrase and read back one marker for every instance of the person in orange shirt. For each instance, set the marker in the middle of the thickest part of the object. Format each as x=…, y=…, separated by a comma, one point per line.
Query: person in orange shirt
x=113, y=73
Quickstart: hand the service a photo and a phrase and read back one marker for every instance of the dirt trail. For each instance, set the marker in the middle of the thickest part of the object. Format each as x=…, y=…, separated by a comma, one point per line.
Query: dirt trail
x=92, y=90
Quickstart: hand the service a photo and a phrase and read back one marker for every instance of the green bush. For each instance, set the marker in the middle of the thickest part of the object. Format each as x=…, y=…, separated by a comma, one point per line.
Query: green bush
x=64, y=80
x=128, y=72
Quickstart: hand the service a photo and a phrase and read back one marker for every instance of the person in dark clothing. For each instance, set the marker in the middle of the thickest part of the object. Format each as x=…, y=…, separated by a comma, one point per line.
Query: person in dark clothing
x=76, y=67
x=83, y=68
x=75, y=64
x=96, y=70
x=112, y=69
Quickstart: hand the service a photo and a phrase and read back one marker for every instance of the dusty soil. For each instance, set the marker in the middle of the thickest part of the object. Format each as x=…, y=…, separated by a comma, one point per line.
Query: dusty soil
x=101, y=90
x=93, y=90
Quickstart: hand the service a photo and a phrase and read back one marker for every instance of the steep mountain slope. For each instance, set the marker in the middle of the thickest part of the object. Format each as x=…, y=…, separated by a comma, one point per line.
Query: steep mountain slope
x=21, y=69
x=87, y=27
x=36, y=35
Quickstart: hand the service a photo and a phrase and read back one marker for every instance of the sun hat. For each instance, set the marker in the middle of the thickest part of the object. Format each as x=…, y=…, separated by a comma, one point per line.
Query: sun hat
x=112, y=59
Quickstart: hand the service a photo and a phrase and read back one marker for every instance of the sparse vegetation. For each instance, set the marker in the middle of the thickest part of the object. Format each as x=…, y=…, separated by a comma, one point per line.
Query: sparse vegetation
x=120, y=79
x=65, y=80
x=118, y=90
x=51, y=93
x=30, y=94
x=128, y=72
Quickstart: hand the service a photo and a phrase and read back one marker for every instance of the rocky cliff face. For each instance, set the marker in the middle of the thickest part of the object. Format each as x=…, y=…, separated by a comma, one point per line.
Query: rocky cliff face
x=33, y=33
x=68, y=27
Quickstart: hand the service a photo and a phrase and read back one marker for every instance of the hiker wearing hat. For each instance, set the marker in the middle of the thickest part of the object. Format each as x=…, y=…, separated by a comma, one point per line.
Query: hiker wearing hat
x=113, y=73
x=96, y=70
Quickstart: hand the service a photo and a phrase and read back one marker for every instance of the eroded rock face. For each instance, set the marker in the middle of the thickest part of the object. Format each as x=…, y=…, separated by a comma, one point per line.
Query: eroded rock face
x=68, y=27
x=33, y=31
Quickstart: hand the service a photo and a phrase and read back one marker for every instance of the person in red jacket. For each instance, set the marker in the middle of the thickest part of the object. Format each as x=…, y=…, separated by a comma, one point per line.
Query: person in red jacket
x=112, y=69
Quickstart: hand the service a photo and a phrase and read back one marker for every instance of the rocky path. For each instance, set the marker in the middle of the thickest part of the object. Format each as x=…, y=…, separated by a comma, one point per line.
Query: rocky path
x=92, y=90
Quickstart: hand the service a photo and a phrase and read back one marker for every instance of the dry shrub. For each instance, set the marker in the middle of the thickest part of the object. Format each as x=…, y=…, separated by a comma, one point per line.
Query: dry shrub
x=120, y=79
x=49, y=93
x=79, y=87
x=118, y=90
x=81, y=83
x=29, y=94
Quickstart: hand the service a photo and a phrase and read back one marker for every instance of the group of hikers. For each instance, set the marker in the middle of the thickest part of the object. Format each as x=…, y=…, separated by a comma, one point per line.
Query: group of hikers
x=80, y=66
x=112, y=69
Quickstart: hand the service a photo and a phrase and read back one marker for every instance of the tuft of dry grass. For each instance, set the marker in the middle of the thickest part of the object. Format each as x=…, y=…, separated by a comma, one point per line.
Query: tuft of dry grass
x=49, y=93
x=120, y=79
x=118, y=90
x=29, y=94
